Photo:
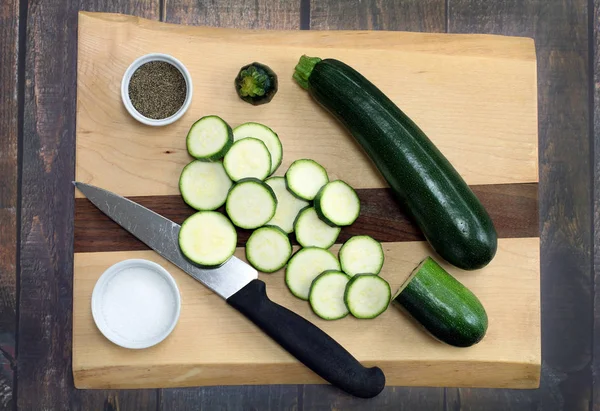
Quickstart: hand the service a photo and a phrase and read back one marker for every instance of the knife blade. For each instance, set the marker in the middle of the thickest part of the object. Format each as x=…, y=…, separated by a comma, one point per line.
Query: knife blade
x=237, y=282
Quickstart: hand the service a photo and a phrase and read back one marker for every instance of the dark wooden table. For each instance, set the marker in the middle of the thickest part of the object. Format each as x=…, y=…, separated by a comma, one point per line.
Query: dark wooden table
x=38, y=50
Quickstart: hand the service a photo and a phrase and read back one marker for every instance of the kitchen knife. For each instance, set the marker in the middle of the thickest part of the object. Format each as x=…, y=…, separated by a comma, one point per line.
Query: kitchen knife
x=238, y=283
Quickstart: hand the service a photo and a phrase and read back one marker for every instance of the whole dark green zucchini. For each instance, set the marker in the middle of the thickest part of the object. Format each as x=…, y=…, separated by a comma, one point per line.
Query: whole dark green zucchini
x=445, y=307
x=441, y=203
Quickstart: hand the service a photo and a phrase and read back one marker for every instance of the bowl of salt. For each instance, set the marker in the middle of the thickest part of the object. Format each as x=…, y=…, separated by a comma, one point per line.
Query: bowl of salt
x=136, y=303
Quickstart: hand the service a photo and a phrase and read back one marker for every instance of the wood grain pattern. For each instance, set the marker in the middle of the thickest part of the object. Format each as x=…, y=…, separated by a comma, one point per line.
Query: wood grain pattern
x=560, y=31
x=9, y=50
x=114, y=151
x=513, y=208
x=241, y=14
x=230, y=350
x=45, y=379
x=413, y=15
x=595, y=89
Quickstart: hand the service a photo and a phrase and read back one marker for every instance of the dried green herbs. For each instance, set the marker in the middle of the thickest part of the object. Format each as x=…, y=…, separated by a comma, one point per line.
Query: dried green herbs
x=157, y=90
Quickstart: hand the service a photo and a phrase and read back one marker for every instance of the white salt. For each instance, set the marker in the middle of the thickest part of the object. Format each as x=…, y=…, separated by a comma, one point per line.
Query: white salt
x=138, y=304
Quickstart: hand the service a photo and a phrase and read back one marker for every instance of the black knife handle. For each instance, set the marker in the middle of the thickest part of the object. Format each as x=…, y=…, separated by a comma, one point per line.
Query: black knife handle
x=307, y=342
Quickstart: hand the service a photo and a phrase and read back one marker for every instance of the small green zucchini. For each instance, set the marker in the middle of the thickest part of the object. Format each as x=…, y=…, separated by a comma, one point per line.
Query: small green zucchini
x=445, y=307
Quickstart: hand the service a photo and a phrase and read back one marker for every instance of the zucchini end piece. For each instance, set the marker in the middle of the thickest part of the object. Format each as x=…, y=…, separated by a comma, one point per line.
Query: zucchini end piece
x=256, y=84
x=303, y=70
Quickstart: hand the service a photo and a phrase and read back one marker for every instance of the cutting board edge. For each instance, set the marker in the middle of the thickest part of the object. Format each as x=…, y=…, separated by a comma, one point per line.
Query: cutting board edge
x=403, y=373
x=527, y=43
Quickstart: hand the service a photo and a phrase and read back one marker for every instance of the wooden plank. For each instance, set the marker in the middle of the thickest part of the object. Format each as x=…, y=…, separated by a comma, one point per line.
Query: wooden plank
x=513, y=208
x=560, y=31
x=243, y=14
x=114, y=152
x=596, y=151
x=9, y=50
x=412, y=15
x=230, y=349
x=259, y=14
x=235, y=398
x=44, y=378
x=419, y=15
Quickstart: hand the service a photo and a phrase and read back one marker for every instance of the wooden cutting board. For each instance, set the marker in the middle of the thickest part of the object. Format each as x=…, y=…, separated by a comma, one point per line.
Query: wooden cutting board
x=474, y=95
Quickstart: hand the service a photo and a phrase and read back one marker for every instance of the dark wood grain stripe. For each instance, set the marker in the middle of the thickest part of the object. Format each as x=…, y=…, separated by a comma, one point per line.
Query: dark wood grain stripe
x=513, y=207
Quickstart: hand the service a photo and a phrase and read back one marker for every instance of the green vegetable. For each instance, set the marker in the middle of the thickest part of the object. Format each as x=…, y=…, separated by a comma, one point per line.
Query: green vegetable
x=451, y=217
x=268, y=249
x=361, y=254
x=304, y=178
x=264, y=134
x=204, y=186
x=305, y=266
x=209, y=138
x=256, y=84
x=207, y=238
x=326, y=296
x=337, y=204
x=445, y=307
x=367, y=296
x=251, y=203
x=311, y=231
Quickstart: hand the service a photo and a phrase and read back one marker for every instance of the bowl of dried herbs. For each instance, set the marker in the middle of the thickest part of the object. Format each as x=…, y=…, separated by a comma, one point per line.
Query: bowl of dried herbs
x=156, y=89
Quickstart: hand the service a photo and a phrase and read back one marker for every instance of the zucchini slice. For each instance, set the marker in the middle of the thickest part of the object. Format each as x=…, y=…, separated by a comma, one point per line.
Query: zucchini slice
x=288, y=205
x=248, y=157
x=305, y=178
x=250, y=203
x=445, y=307
x=266, y=135
x=305, y=266
x=312, y=232
x=326, y=296
x=361, y=254
x=207, y=238
x=204, y=186
x=209, y=138
x=337, y=204
x=367, y=295
x=268, y=249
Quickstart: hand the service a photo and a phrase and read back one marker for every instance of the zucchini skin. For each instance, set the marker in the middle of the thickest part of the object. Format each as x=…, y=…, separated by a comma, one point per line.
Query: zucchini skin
x=422, y=179
x=445, y=307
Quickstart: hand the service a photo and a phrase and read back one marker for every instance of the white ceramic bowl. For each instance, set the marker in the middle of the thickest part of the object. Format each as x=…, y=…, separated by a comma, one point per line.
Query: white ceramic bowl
x=125, y=89
x=136, y=303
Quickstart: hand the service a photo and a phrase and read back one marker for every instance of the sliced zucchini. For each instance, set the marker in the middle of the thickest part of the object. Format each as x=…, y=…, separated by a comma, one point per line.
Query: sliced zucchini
x=305, y=266
x=209, y=138
x=266, y=135
x=312, y=232
x=248, y=157
x=367, y=295
x=305, y=178
x=268, y=249
x=361, y=254
x=250, y=203
x=288, y=206
x=337, y=204
x=445, y=307
x=326, y=296
x=207, y=238
x=204, y=186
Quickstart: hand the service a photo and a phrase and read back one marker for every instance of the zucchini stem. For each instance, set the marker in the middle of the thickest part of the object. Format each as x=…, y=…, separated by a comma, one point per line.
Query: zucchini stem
x=303, y=70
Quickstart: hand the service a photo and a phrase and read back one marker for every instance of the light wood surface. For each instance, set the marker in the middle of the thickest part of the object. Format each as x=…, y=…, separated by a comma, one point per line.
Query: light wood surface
x=214, y=345
x=474, y=95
